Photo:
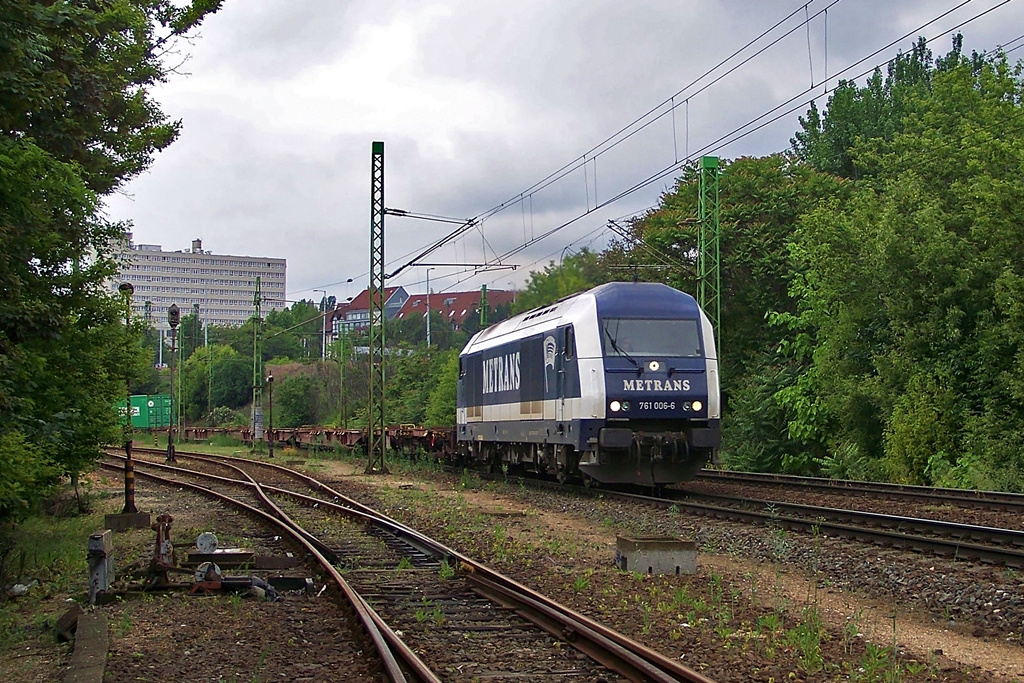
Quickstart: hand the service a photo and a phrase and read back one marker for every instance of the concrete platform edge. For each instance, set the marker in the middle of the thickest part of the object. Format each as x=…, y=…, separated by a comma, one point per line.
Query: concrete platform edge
x=89, y=661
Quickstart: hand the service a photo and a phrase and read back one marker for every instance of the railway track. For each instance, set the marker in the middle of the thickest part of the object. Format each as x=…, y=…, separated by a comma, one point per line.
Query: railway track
x=989, y=500
x=953, y=540
x=949, y=539
x=432, y=613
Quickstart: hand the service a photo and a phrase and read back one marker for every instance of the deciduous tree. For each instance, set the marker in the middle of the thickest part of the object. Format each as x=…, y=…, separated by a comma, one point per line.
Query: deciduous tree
x=76, y=122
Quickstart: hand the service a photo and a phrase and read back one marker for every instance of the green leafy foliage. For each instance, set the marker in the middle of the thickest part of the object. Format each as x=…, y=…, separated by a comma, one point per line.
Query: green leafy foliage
x=770, y=423
x=26, y=474
x=76, y=79
x=872, y=114
x=294, y=401
x=904, y=286
x=76, y=122
x=575, y=273
x=441, y=405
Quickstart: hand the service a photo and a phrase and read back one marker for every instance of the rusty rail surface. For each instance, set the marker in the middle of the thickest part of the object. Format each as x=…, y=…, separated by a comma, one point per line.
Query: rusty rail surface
x=611, y=649
x=992, y=500
x=396, y=658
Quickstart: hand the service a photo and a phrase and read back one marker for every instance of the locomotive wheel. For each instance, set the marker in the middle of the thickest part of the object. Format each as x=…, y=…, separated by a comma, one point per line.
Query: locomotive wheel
x=589, y=482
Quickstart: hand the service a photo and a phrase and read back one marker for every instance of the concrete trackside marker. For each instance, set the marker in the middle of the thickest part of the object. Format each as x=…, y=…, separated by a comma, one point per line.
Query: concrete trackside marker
x=91, y=643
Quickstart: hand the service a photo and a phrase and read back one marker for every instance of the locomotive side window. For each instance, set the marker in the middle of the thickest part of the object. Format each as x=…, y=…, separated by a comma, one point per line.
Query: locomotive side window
x=462, y=369
x=570, y=344
x=645, y=337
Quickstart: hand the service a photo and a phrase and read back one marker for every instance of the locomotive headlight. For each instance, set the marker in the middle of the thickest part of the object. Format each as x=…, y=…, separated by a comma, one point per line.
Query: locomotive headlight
x=697, y=405
x=653, y=366
x=615, y=406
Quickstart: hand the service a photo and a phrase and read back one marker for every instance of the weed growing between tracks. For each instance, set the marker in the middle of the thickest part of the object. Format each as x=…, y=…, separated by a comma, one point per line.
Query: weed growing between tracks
x=731, y=621
x=748, y=618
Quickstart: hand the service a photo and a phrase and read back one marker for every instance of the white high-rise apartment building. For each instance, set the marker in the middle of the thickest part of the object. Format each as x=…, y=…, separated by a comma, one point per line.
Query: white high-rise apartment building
x=223, y=286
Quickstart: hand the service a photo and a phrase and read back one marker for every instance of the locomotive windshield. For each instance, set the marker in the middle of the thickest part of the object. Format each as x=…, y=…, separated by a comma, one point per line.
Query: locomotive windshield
x=634, y=337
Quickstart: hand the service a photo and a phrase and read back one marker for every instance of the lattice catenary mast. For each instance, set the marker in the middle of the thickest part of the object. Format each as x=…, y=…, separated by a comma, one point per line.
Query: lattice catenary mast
x=377, y=430
x=709, y=276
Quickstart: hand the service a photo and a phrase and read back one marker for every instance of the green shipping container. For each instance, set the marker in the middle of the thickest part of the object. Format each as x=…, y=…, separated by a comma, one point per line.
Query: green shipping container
x=159, y=410
x=149, y=411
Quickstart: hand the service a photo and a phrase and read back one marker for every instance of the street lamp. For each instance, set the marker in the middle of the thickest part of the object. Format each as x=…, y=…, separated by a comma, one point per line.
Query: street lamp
x=428, y=306
x=323, y=328
x=270, y=416
x=127, y=290
x=173, y=318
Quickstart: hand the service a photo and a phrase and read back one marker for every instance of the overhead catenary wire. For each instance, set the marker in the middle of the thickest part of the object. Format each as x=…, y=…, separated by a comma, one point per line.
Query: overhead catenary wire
x=600, y=147
x=635, y=127
x=612, y=141
x=594, y=234
x=749, y=127
x=1002, y=48
x=729, y=138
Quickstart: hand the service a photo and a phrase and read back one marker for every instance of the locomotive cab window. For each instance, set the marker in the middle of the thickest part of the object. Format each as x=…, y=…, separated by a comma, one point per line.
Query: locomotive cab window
x=570, y=344
x=646, y=337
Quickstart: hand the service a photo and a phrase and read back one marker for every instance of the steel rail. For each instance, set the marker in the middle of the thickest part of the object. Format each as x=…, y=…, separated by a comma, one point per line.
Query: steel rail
x=422, y=543
x=606, y=646
x=939, y=527
x=420, y=670
x=1011, y=557
x=327, y=552
x=581, y=634
x=389, y=646
x=615, y=651
x=960, y=550
x=995, y=500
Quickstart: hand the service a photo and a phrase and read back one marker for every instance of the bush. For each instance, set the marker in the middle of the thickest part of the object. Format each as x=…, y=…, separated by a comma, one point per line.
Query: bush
x=26, y=476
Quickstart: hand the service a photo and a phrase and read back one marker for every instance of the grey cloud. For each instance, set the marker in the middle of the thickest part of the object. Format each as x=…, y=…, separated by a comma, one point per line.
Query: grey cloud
x=276, y=40
x=573, y=72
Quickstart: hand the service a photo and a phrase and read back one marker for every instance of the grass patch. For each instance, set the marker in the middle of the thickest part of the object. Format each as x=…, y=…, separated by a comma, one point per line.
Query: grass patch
x=52, y=552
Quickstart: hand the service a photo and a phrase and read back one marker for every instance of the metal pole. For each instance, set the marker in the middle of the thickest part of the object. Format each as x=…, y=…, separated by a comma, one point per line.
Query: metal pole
x=342, y=418
x=173, y=318
x=127, y=289
x=323, y=326
x=179, y=361
x=257, y=367
x=270, y=413
x=709, y=257
x=170, y=426
x=377, y=394
x=484, y=308
x=428, y=306
x=209, y=361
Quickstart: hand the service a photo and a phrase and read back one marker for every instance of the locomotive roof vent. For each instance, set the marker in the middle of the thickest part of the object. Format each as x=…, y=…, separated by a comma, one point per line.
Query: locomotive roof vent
x=545, y=311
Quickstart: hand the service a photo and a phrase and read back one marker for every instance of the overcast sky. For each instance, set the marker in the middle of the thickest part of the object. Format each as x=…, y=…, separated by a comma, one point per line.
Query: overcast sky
x=477, y=102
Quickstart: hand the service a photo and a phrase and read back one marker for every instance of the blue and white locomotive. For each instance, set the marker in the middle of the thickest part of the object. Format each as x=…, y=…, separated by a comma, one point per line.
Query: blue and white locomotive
x=618, y=384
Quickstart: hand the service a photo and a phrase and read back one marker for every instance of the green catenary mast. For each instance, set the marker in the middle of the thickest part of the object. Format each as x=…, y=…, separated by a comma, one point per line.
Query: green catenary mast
x=376, y=427
x=709, y=276
x=483, y=306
